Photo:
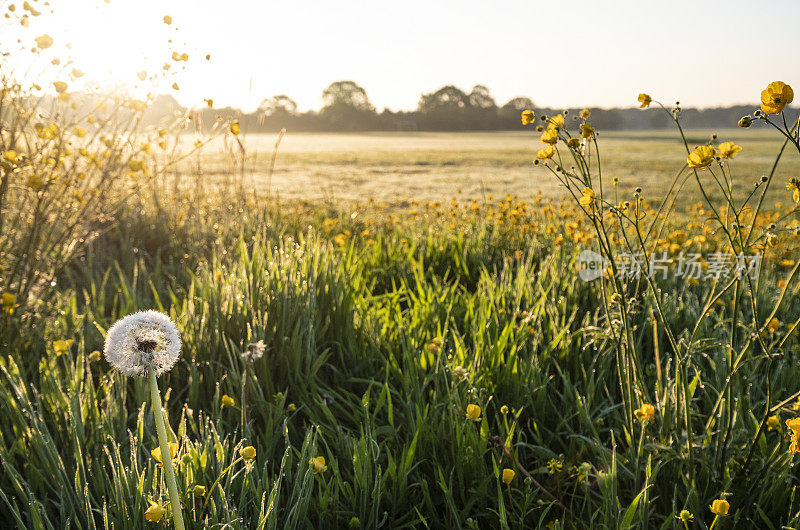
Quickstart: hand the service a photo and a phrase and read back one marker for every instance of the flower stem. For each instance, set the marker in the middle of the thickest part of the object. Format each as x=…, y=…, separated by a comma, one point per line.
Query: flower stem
x=166, y=458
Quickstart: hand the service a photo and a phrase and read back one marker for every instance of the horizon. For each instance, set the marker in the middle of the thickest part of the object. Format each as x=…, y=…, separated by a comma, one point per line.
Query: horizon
x=253, y=57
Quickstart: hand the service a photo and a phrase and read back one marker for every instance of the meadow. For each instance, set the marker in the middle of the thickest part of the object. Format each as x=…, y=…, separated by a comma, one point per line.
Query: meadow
x=391, y=331
x=424, y=166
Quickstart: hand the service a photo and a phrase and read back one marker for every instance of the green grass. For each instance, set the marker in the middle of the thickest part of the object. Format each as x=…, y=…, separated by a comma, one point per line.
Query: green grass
x=348, y=375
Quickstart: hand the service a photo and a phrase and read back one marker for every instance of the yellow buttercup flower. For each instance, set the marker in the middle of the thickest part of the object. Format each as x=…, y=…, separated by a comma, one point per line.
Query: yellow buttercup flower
x=555, y=466
x=574, y=143
x=773, y=423
x=175, y=86
x=585, y=113
x=180, y=56
x=728, y=149
x=587, y=196
x=60, y=86
x=685, y=516
x=210, y=102
x=550, y=136
x=319, y=464
x=235, y=129
x=247, y=453
x=173, y=452
x=473, y=412
x=35, y=182
x=10, y=155
x=774, y=324
x=794, y=187
x=701, y=157
x=227, y=401
x=9, y=301
x=80, y=132
x=720, y=507
x=154, y=513
x=586, y=130
x=645, y=100
x=794, y=426
x=199, y=491
x=546, y=153
x=775, y=97
x=508, y=475
x=646, y=412
x=557, y=121
x=142, y=75
x=44, y=41
x=136, y=166
x=527, y=117
x=77, y=73
x=745, y=121
x=62, y=346
x=167, y=19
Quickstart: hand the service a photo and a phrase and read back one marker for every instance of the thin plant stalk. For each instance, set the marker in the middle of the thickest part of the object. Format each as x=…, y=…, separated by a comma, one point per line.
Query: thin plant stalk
x=166, y=458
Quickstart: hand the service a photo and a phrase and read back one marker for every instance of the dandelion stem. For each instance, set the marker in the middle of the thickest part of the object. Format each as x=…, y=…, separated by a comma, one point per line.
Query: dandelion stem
x=166, y=458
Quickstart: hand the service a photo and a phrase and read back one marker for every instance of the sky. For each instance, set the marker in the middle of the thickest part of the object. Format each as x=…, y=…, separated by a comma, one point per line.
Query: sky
x=558, y=53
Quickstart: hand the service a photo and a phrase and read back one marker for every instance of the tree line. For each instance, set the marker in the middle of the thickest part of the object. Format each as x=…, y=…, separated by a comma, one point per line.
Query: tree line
x=347, y=108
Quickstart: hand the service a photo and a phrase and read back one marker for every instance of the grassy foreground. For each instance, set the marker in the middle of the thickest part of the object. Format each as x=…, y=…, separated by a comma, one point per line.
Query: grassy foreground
x=381, y=330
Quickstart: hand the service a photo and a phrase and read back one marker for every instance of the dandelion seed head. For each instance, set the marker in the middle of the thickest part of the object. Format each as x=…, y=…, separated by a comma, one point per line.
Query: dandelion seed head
x=142, y=341
x=254, y=351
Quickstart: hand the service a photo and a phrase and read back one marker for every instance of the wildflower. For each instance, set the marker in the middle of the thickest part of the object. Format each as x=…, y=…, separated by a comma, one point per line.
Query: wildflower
x=504, y=409
x=180, y=56
x=645, y=101
x=227, y=401
x=787, y=262
x=80, y=132
x=147, y=340
x=10, y=155
x=587, y=196
x=775, y=97
x=154, y=513
x=773, y=324
x=508, y=475
x=235, y=130
x=175, y=86
x=685, y=516
x=585, y=113
x=135, y=166
x=199, y=491
x=554, y=466
x=473, y=412
x=142, y=75
x=44, y=41
x=646, y=412
x=586, y=130
x=76, y=73
x=574, y=143
x=209, y=102
x=173, y=452
x=247, y=453
x=460, y=372
x=95, y=356
x=796, y=405
x=527, y=117
x=35, y=182
x=167, y=20
x=720, y=507
x=62, y=346
x=60, y=86
x=9, y=301
x=794, y=187
x=773, y=423
x=550, y=136
x=745, y=121
x=728, y=149
x=559, y=240
x=254, y=351
x=546, y=153
x=701, y=157
x=556, y=122
x=794, y=426
x=319, y=464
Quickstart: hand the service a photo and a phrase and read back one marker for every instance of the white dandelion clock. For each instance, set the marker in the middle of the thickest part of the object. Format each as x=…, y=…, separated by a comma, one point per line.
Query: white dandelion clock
x=146, y=344
x=147, y=340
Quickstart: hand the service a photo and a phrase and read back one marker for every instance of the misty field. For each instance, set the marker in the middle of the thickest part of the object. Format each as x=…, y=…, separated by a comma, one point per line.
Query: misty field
x=424, y=166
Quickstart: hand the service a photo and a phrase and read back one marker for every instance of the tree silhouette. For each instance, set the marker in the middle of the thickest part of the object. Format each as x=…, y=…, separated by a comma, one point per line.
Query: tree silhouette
x=347, y=107
x=278, y=105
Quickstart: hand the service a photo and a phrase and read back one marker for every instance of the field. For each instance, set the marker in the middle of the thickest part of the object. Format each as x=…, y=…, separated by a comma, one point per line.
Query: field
x=431, y=356
x=394, y=167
